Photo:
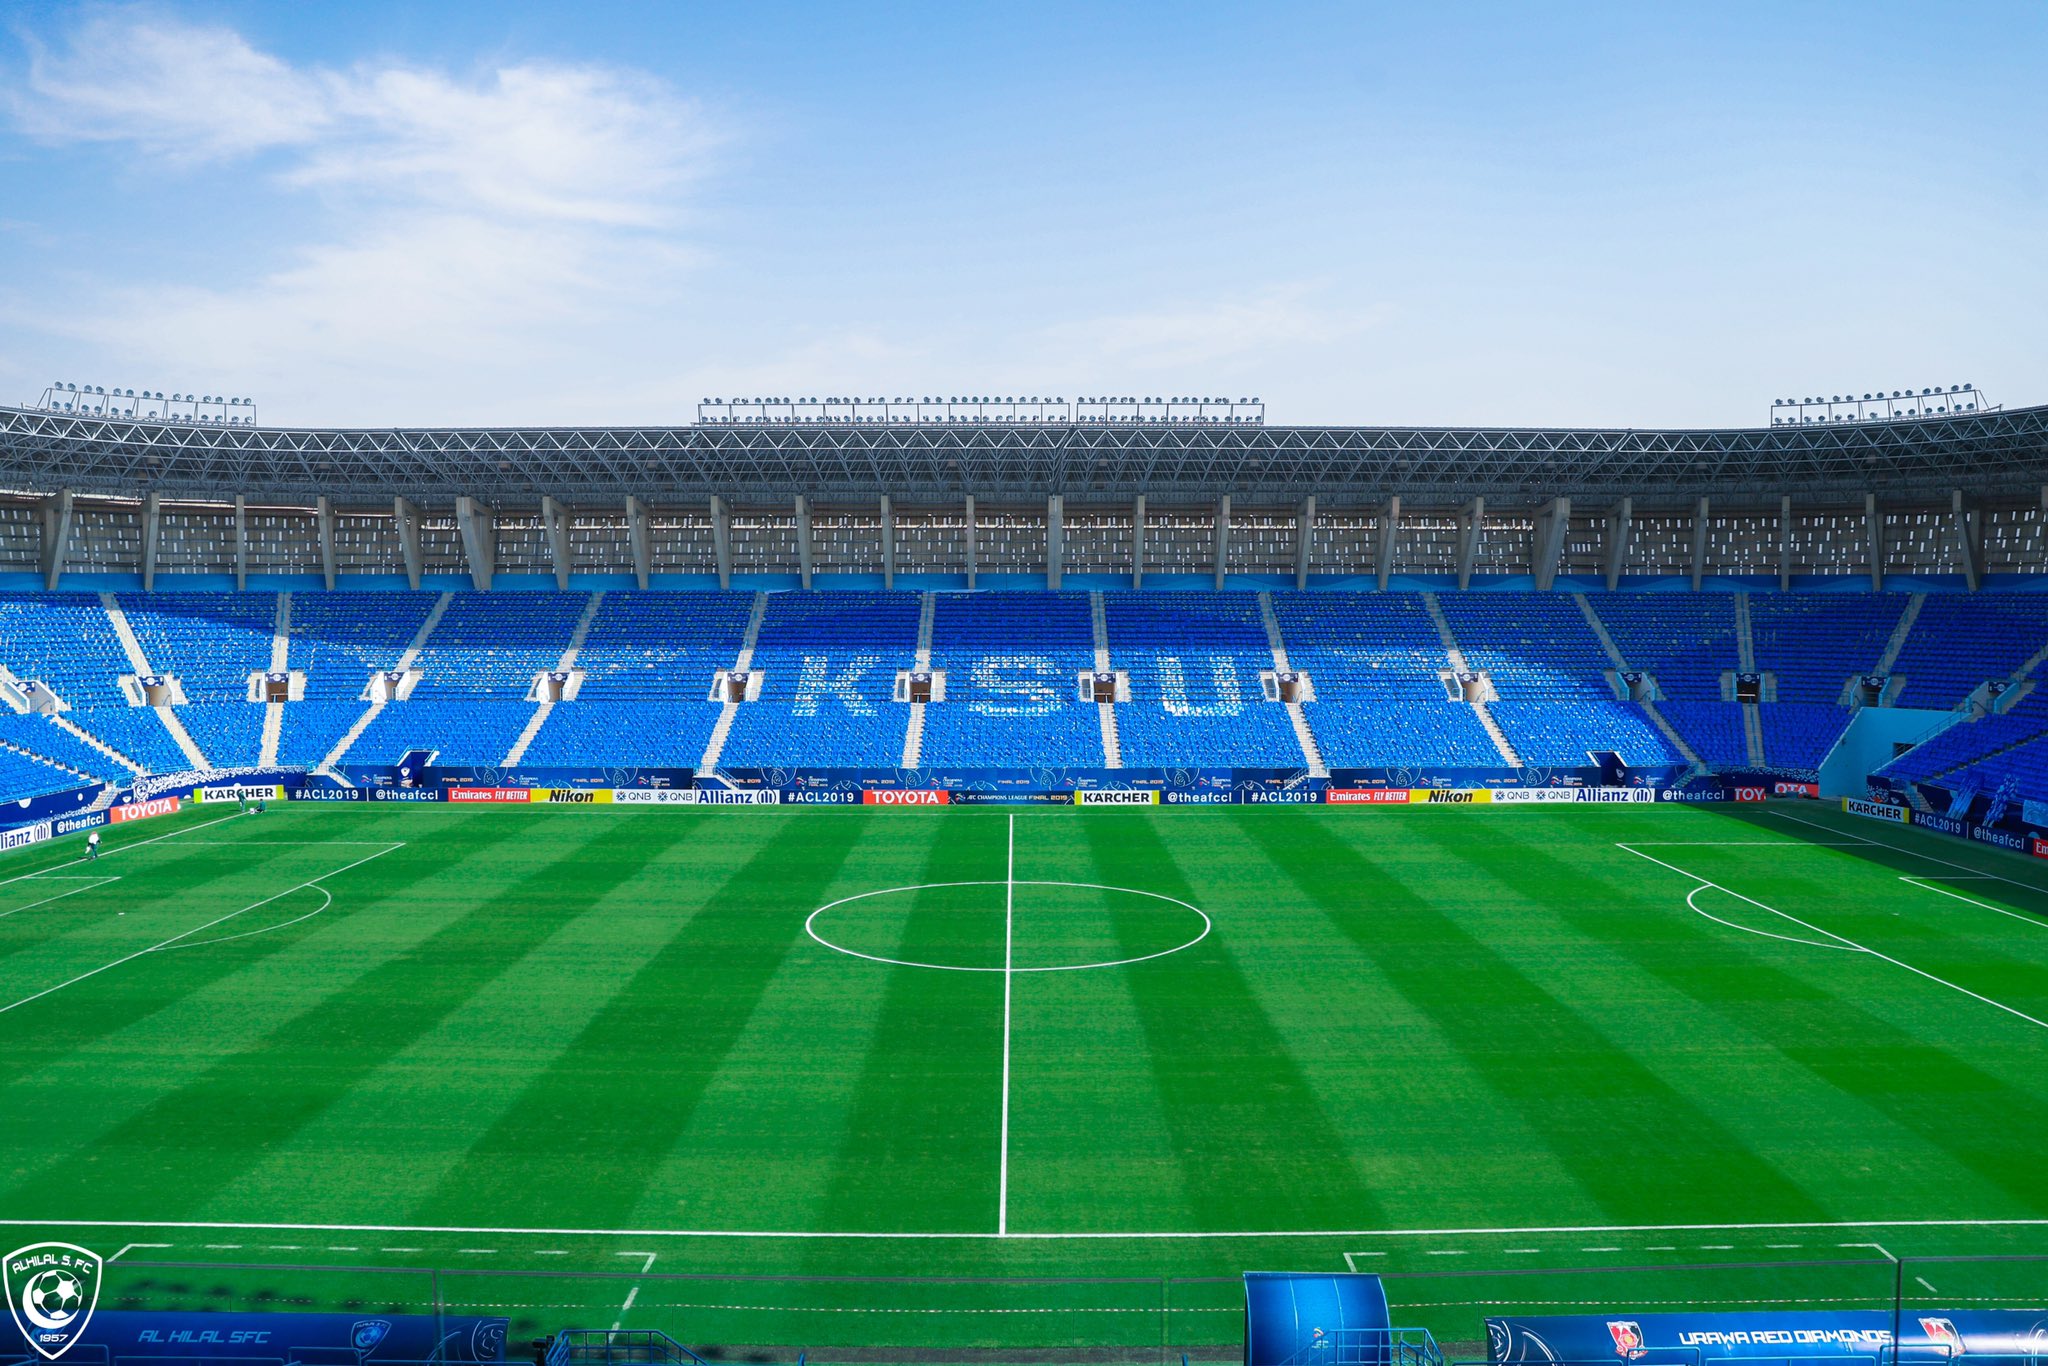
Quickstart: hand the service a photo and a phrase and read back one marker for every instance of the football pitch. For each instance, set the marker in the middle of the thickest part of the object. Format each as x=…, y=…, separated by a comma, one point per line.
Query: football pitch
x=946, y=1079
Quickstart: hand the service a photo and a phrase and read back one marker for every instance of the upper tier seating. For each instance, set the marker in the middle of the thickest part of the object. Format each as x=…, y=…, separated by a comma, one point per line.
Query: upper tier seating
x=340, y=639
x=1194, y=662
x=828, y=663
x=66, y=641
x=1374, y=660
x=1961, y=641
x=492, y=644
x=1816, y=642
x=212, y=642
x=137, y=732
x=1011, y=662
x=1685, y=640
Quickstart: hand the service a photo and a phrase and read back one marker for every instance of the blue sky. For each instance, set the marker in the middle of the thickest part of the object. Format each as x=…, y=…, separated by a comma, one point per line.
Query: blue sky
x=1634, y=214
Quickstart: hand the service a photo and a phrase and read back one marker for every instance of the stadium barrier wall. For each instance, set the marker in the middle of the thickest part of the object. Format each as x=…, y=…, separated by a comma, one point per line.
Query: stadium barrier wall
x=2024, y=841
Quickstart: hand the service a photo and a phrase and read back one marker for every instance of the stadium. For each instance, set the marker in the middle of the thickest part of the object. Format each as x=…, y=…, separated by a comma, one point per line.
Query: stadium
x=1097, y=1050
x=1047, y=879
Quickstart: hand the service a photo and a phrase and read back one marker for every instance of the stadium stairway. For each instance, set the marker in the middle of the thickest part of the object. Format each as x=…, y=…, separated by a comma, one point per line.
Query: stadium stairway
x=1614, y=656
x=376, y=708
x=742, y=662
x=913, y=734
x=1112, y=743
x=1456, y=657
x=546, y=706
x=1310, y=750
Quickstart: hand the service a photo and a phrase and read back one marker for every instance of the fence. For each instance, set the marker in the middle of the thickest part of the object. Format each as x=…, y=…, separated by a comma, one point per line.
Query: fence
x=1145, y=1320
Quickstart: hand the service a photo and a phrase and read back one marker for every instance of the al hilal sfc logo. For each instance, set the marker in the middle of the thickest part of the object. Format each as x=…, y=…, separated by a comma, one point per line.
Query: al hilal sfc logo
x=52, y=1289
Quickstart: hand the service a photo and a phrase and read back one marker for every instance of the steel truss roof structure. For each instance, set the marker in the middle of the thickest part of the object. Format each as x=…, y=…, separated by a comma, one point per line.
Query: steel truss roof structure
x=2002, y=453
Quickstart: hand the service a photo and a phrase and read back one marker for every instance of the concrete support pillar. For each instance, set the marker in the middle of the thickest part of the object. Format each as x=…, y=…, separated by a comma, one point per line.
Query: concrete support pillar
x=721, y=539
x=803, y=540
x=968, y=528
x=241, y=543
x=1138, y=541
x=1699, y=544
x=406, y=517
x=641, y=539
x=56, y=537
x=153, y=537
x=1873, y=524
x=554, y=520
x=1551, y=525
x=1471, y=532
x=1222, y=538
x=1969, y=523
x=1618, y=525
x=1304, y=539
x=1055, y=538
x=323, y=515
x=888, y=542
x=1785, y=542
x=1390, y=532
x=479, y=540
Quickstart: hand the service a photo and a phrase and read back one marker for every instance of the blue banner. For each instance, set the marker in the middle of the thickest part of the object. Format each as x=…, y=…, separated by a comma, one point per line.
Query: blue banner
x=280, y=1339
x=1924, y=1335
x=1332, y=1320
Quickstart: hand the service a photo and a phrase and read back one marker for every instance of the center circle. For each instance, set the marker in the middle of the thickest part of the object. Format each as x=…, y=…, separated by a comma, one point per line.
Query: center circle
x=984, y=920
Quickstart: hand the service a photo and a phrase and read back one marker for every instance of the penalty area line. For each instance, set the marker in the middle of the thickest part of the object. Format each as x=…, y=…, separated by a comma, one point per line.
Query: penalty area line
x=985, y=1236
x=217, y=920
x=1840, y=939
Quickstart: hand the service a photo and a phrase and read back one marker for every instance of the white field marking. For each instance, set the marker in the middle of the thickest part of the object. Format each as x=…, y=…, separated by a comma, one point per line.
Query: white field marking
x=1781, y=1247
x=1444, y=1252
x=810, y=925
x=1909, y=853
x=1930, y=1289
x=167, y=943
x=2034, y=920
x=344, y=1249
x=229, y=1247
x=91, y=882
x=1351, y=1258
x=1743, y=844
x=250, y=934
x=543, y=1252
x=1599, y=1249
x=1751, y=929
x=1880, y=1248
x=398, y=1249
x=1522, y=1251
x=479, y=1251
x=120, y=849
x=1660, y=1247
x=291, y=844
x=922, y=1236
x=1009, y=980
x=1954, y=877
x=634, y=1293
x=1717, y=1247
x=130, y=1247
x=1895, y=962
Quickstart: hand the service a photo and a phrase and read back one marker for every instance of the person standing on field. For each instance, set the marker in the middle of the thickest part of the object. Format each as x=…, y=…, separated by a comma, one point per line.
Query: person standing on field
x=92, y=847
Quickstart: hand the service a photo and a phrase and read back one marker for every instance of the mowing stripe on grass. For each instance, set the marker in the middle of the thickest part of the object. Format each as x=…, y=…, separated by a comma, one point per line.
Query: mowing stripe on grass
x=233, y=1115
x=923, y=1116
x=1253, y=1138
x=1807, y=1014
x=1617, y=1126
x=587, y=1136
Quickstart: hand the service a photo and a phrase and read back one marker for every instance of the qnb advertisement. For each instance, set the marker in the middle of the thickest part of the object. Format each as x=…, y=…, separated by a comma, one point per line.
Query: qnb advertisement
x=1932, y=1336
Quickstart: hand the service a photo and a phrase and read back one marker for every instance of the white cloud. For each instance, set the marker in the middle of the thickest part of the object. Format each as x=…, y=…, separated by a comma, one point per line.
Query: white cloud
x=170, y=89
x=480, y=234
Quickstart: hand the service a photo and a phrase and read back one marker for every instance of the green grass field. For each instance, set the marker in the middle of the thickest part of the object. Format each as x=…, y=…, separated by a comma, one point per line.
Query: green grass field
x=592, y=1066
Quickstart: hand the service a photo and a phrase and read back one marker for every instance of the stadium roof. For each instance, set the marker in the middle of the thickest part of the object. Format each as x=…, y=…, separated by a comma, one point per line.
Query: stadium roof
x=1993, y=454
